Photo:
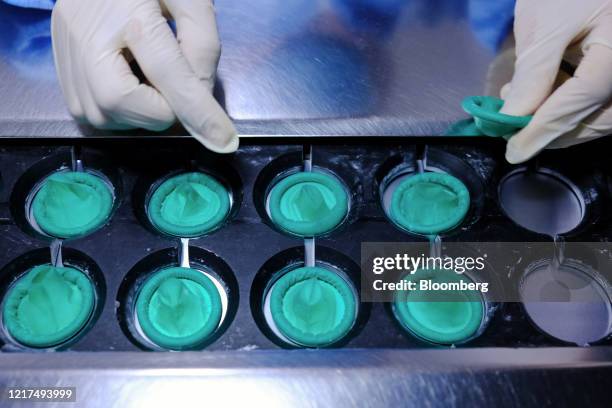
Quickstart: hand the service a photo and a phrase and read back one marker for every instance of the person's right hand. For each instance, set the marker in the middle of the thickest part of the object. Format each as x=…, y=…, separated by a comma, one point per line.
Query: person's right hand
x=91, y=40
x=580, y=109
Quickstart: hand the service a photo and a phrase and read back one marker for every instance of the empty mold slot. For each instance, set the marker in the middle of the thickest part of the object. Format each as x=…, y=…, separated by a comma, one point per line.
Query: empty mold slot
x=568, y=301
x=188, y=201
x=46, y=306
x=65, y=197
x=542, y=201
x=431, y=193
x=299, y=199
x=308, y=307
x=167, y=305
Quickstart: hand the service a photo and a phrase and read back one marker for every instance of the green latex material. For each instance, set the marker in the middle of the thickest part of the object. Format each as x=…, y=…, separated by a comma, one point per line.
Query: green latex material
x=487, y=120
x=72, y=204
x=189, y=205
x=178, y=308
x=440, y=322
x=430, y=203
x=48, y=306
x=308, y=203
x=312, y=306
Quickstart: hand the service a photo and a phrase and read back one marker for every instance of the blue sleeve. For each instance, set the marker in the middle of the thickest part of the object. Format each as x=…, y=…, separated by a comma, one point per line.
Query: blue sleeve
x=35, y=4
x=491, y=21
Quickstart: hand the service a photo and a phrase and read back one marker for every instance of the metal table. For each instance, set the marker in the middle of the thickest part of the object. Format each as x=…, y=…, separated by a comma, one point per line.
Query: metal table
x=303, y=68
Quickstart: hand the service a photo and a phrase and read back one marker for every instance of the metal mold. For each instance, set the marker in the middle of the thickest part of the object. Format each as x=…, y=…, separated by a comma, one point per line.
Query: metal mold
x=147, y=183
x=397, y=169
x=569, y=301
x=72, y=258
x=291, y=259
x=245, y=243
x=30, y=182
x=207, y=263
x=542, y=200
x=285, y=166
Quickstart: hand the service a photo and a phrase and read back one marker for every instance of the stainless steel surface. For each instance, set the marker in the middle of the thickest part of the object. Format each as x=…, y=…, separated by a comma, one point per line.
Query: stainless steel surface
x=304, y=67
x=484, y=377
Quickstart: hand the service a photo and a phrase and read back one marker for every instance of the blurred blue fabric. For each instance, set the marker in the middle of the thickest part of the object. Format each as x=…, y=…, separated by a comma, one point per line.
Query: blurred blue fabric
x=25, y=41
x=491, y=21
x=36, y=4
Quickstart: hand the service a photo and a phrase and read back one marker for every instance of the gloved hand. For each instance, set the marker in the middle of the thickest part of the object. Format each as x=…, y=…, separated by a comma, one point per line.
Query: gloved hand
x=577, y=111
x=93, y=41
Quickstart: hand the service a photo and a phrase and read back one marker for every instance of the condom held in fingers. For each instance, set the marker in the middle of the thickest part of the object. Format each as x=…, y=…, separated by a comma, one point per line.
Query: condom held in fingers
x=48, y=306
x=178, y=308
x=429, y=203
x=487, y=119
x=313, y=306
x=308, y=203
x=72, y=204
x=189, y=205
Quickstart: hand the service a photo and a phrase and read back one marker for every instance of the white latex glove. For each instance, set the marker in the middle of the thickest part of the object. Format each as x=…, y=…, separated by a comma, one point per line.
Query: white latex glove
x=93, y=41
x=580, y=109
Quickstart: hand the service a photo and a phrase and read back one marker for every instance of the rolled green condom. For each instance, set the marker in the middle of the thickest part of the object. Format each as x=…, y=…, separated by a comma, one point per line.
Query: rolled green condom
x=189, y=205
x=428, y=316
x=488, y=120
x=48, y=306
x=312, y=306
x=429, y=203
x=72, y=204
x=308, y=203
x=178, y=308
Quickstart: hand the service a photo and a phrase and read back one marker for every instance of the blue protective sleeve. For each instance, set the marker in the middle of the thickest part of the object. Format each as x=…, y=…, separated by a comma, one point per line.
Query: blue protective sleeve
x=35, y=4
x=491, y=21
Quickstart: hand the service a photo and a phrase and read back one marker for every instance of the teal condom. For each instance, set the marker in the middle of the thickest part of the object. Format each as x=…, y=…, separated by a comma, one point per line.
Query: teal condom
x=487, y=120
x=440, y=317
x=308, y=203
x=429, y=203
x=72, y=204
x=178, y=308
x=48, y=306
x=312, y=306
x=189, y=205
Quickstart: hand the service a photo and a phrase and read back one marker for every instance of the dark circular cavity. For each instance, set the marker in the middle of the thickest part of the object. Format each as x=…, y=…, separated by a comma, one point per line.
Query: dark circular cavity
x=195, y=192
x=188, y=205
x=311, y=306
x=281, y=169
x=178, y=308
x=429, y=203
x=31, y=181
x=345, y=273
x=207, y=271
x=70, y=204
x=542, y=201
x=431, y=317
x=308, y=203
x=568, y=302
x=396, y=171
x=46, y=307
